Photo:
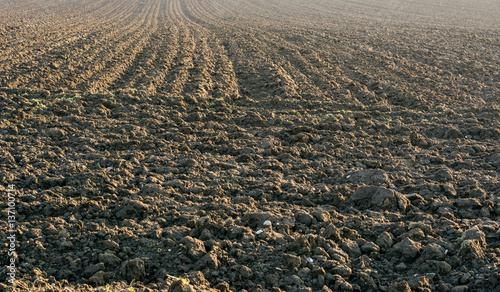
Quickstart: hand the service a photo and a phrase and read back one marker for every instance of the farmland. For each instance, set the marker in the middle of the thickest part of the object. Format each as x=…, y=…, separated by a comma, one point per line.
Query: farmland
x=230, y=145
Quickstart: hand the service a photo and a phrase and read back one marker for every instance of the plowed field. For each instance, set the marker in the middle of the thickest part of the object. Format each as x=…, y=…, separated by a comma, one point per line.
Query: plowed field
x=250, y=145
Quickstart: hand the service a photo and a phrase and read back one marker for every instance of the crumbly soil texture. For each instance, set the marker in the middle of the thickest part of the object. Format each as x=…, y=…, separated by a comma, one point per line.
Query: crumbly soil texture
x=226, y=145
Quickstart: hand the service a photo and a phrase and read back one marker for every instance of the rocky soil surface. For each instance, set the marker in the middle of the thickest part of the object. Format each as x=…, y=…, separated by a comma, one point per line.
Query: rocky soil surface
x=215, y=145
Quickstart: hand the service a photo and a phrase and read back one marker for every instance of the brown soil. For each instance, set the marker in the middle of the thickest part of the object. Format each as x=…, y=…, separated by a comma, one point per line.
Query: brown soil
x=227, y=145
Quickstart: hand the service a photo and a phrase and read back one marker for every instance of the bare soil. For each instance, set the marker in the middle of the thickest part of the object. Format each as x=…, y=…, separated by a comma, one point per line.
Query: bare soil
x=230, y=145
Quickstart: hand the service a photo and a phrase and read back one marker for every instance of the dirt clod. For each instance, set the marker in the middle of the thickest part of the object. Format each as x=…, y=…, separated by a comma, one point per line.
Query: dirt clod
x=134, y=269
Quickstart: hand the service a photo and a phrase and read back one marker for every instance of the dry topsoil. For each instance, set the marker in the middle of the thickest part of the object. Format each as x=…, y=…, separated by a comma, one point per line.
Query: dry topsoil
x=222, y=146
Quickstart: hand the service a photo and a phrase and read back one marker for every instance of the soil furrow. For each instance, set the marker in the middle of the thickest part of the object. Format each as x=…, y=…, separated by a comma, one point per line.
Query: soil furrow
x=124, y=55
x=60, y=34
x=66, y=58
x=98, y=51
x=201, y=84
x=182, y=63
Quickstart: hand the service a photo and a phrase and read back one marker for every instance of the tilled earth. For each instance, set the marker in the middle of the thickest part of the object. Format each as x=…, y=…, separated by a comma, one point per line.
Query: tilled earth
x=216, y=145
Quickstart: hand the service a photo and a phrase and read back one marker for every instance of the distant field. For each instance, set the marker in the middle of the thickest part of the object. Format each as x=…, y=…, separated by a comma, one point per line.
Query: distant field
x=150, y=140
x=161, y=46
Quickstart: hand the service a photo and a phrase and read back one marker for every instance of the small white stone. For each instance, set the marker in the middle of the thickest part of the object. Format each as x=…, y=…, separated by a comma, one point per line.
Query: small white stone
x=309, y=260
x=348, y=176
x=109, y=168
x=267, y=223
x=259, y=232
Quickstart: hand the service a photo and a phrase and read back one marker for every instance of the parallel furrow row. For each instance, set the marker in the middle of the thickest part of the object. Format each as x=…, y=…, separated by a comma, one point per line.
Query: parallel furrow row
x=54, y=34
x=124, y=52
x=66, y=52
